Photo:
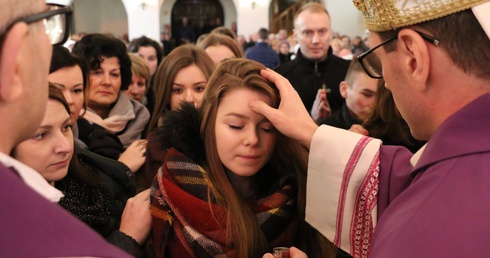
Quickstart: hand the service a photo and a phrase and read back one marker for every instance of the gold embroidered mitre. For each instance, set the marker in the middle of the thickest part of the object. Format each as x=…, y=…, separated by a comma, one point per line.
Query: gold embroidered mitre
x=384, y=15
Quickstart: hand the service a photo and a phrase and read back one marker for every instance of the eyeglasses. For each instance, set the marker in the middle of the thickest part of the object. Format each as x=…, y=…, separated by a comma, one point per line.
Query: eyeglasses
x=56, y=20
x=371, y=63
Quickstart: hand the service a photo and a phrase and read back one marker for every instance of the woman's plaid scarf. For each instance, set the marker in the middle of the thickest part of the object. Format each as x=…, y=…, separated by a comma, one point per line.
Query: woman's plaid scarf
x=183, y=224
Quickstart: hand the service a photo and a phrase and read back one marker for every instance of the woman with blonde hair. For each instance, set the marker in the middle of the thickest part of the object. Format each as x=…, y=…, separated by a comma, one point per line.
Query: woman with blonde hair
x=182, y=77
x=140, y=79
x=231, y=185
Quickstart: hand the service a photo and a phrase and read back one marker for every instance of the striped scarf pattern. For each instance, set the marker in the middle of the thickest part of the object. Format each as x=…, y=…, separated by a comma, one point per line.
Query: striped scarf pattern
x=187, y=220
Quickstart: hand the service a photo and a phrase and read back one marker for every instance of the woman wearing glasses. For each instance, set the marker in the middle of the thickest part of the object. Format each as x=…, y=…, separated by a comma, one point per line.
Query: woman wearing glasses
x=110, y=75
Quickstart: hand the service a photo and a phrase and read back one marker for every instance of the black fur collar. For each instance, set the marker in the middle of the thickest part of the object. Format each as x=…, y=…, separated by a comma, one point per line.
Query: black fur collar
x=180, y=130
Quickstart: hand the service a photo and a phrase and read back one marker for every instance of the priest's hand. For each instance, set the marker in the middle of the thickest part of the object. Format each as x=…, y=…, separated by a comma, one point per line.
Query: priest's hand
x=291, y=118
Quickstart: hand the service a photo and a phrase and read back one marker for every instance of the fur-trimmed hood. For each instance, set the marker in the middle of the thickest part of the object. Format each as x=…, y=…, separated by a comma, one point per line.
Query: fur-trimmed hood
x=180, y=129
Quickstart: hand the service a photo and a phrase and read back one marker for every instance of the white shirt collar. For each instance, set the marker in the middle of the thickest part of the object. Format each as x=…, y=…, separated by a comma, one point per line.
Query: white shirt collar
x=415, y=158
x=32, y=178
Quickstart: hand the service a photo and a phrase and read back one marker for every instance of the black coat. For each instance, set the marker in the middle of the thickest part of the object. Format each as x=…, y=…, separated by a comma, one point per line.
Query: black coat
x=340, y=119
x=308, y=76
x=99, y=140
x=100, y=204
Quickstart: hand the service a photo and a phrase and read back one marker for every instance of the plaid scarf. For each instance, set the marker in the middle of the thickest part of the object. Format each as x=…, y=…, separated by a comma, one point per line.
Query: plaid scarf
x=185, y=226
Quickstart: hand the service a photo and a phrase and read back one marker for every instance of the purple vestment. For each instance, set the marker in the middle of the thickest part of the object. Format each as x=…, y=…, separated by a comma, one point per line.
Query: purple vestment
x=31, y=226
x=441, y=207
x=372, y=202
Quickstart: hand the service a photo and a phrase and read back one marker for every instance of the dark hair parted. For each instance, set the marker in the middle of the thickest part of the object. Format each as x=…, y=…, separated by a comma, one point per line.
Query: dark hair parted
x=62, y=58
x=181, y=57
x=461, y=36
x=289, y=160
x=93, y=47
x=144, y=41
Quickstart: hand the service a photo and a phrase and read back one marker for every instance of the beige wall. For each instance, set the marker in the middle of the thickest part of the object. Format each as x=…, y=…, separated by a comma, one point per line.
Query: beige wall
x=104, y=16
x=110, y=16
x=346, y=19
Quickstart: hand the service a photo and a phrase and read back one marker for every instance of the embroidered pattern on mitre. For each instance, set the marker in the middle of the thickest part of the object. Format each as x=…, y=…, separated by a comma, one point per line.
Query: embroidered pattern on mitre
x=384, y=15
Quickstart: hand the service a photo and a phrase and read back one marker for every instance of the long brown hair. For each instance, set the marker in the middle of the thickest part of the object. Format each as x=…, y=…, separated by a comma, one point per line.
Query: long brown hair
x=181, y=57
x=289, y=159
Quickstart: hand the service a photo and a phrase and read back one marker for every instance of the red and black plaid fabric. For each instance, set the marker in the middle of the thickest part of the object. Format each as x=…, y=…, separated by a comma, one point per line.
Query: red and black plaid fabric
x=188, y=222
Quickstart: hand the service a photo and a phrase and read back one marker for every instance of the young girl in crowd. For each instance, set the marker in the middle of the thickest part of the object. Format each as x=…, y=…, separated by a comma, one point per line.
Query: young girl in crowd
x=110, y=75
x=231, y=185
x=182, y=77
x=96, y=189
x=71, y=75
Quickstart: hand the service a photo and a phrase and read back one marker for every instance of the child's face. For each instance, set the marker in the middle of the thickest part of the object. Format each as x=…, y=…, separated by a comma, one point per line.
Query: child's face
x=359, y=98
x=245, y=140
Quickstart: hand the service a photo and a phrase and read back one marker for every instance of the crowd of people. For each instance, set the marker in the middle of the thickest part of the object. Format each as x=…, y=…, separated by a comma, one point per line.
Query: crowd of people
x=222, y=147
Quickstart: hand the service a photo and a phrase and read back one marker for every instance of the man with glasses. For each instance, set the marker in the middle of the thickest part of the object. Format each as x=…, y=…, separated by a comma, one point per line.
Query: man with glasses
x=382, y=201
x=31, y=224
x=315, y=70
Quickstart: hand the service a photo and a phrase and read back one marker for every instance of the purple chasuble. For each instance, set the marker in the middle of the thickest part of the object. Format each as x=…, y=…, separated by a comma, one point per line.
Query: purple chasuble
x=441, y=207
x=31, y=226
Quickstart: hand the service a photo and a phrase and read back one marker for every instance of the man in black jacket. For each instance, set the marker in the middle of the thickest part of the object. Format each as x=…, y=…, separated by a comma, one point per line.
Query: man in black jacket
x=315, y=67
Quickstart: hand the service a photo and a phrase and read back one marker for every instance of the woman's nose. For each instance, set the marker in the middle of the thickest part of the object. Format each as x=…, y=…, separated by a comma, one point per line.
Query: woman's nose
x=63, y=144
x=251, y=137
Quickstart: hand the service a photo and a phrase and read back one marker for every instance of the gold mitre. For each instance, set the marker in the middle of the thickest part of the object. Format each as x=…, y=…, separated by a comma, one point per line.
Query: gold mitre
x=384, y=15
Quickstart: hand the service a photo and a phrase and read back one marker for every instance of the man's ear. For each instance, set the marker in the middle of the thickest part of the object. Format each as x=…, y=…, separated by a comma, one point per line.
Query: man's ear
x=416, y=58
x=343, y=88
x=10, y=63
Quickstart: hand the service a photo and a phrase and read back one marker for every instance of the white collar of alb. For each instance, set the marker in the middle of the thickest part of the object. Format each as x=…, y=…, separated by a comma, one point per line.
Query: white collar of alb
x=32, y=178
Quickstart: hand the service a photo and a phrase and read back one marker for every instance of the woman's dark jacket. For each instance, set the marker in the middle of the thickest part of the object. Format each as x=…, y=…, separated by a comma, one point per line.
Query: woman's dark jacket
x=100, y=205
